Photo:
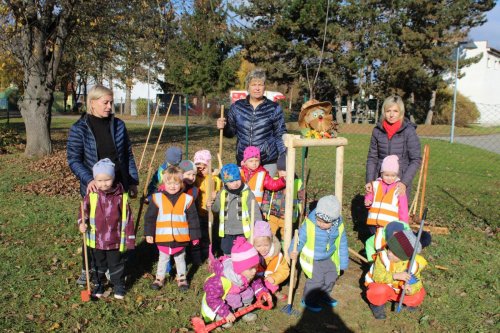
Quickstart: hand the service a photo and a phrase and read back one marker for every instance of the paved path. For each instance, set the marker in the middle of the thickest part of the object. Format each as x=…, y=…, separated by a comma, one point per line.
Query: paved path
x=487, y=142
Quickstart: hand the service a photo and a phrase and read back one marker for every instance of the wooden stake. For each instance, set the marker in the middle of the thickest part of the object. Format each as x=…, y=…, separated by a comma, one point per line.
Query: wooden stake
x=357, y=255
x=413, y=207
x=339, y=174
x=290, y=175
x=161, y=132
x=221, y=136
x=432, y=229
x=210, y=189
x=252, y=220
x=291, y=284
x=149, y=134
x=142, y=200
x=422, y=199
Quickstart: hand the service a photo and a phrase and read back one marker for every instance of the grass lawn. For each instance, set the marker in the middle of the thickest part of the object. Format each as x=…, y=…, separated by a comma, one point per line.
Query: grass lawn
x=40, y=257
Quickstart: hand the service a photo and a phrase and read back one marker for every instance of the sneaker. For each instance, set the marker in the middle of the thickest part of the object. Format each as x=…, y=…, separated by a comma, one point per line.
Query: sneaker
x=98, y=291
x=119, y=292
x=249, y=317
x=329, y=301
x=182, y=283
x=158, y=284
x=311, y=307
x=378, y=311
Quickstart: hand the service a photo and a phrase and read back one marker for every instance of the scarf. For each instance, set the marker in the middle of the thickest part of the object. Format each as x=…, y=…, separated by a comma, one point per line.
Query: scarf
x=391, y=129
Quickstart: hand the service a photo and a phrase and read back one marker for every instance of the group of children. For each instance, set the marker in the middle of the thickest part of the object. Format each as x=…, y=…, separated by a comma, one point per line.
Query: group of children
x=252, y=262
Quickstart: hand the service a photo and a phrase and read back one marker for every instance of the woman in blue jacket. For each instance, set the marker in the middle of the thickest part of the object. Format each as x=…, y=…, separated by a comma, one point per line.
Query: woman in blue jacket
x=256, y=121
x=97, y=135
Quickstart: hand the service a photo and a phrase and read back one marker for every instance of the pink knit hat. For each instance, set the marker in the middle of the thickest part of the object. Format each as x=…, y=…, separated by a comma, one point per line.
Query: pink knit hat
x=243, y=255
x=390, y=164
x=262, y=229
x=251, y=151
x=202, y=156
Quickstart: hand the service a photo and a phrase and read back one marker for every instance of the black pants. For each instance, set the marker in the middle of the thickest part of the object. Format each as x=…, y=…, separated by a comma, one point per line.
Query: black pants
x=227, y=243
x=114, y=260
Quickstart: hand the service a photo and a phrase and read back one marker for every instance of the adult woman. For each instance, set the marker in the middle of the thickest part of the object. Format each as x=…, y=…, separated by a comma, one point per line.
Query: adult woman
x=256, y=121
x=97, y=135
x=394, y=135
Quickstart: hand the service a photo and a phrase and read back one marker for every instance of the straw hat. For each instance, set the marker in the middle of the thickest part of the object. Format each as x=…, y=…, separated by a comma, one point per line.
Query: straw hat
x=311, y=105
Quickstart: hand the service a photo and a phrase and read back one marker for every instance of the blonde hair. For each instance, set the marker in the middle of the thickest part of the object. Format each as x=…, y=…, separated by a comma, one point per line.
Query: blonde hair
x=394, y=100
x=173, y=173
x=95, y=93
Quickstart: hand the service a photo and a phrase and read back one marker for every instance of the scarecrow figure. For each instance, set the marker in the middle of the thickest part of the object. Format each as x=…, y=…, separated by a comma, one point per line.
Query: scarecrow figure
x=316, y=120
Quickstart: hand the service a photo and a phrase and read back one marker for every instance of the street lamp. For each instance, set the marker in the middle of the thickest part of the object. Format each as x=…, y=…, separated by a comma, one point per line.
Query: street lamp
x=468, y=46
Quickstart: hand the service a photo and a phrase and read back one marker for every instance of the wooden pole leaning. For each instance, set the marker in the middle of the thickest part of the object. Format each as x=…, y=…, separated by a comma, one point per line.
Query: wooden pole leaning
x=210, y=190
x=149, y=134
x=424, y=181
x=252, y=220
x=221, y=136
x=161, y=131
x=413, y=207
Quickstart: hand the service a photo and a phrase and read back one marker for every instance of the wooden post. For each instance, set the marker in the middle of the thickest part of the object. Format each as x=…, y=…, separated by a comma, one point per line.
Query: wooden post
x=147, y=139
x=210, y=189
x=252, y=220
x=221, y=136
x=290, y=175
x=339, y=173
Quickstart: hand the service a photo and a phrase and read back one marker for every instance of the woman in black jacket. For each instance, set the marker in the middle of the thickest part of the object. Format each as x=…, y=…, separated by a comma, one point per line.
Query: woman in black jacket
x=256, y=121
x=394, y=135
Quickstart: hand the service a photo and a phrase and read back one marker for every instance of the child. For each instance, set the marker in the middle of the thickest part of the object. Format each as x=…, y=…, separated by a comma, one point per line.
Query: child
x=256, y=176
x=388, y=274
x=201, y=159
x=273, y=203
x=173, y=156
x=378, y=242
x=384, y=203
x=273, y=266
x=323, y=252
x=172, y=223
x=111, y=230
x=233, y=205
x=188, y=177
x=233, y=284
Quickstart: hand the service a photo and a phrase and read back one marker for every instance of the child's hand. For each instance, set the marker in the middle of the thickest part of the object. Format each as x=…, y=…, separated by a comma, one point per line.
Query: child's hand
x=369, y=188
x=401, y=189
x=210, y=202
x=146, y=201
x=270, y=280
x=149, y=239
x=268, y=299
x=408, y=288
x=195, y=242
x=82, y=227
x=368, y=202
x=133, y=191
x=221, y=122
x=230, y=318
x=293, y=255
x=402, y=276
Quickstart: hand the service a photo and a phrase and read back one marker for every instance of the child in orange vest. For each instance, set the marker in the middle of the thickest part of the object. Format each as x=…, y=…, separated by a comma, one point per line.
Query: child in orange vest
x=273, y=266
x=384, y=203
x=256, y=176
x=173, y=156
x=388, y=274
x=171, y=222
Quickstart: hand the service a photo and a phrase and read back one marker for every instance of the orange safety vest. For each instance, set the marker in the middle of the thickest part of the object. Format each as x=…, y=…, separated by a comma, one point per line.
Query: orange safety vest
x=384, y=208
x=171, y=223
x=256, y=184
x=273, y=265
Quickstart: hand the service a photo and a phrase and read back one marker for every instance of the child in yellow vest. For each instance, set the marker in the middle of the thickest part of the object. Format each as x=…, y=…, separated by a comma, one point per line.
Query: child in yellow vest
x=233, y=204
x=256, y=176
x=388, y=274
x=171, y=222
x=273, y=266
x=384, y=203
x=111, y=230
x=323, y=253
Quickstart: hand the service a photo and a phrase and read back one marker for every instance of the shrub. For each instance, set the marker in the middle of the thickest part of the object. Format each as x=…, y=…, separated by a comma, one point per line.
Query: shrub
x=141, y=106
x=466, y=111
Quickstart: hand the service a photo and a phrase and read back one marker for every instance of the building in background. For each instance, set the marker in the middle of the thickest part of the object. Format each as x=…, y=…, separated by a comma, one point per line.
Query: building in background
x=481, y=82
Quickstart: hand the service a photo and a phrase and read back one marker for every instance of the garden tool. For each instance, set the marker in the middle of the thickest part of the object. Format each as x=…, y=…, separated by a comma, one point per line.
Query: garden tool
x=149, y=134
x=221, y=135
x=263, y=302
x=288, y=308
x=210, y=189
x=412, y=260
x=85, y=294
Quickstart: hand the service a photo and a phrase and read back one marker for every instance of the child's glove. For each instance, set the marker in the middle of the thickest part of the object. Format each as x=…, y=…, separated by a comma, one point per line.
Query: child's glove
x=195, y=242
x=413, y=279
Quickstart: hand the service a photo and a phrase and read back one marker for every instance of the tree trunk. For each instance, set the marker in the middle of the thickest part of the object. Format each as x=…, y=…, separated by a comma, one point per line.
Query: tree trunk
x=128, y=97
x=338, y=106
x=432, y=104
x=203, y=106
x=348, y=117
x=377, y=111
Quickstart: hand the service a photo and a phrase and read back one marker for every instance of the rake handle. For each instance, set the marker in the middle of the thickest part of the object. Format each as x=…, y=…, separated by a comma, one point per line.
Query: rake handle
x=221, y=136
x=85, y=257
x=292, y=267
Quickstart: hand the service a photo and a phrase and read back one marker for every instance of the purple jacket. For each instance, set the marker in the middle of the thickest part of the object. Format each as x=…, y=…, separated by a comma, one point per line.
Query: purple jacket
x=405, y=144
x=108, y=220
x=215, y=292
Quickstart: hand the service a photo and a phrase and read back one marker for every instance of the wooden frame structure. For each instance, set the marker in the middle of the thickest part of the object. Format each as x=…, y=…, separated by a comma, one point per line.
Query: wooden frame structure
x=295, y=141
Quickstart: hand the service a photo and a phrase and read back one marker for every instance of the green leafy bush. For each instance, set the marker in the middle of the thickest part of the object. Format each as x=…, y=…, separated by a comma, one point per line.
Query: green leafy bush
x=466, y=111
x=141, y=106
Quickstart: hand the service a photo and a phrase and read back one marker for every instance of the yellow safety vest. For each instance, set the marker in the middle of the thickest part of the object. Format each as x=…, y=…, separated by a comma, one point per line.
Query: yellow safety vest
x=93, y=197
x=245, y=213
x=307, y=253
x=207, y=313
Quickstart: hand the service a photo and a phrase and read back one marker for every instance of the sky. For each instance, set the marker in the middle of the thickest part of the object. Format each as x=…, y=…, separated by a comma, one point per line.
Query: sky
x=490, y=31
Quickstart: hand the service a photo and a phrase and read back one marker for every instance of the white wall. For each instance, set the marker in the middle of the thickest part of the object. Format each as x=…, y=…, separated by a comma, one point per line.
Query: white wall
x=481, y=82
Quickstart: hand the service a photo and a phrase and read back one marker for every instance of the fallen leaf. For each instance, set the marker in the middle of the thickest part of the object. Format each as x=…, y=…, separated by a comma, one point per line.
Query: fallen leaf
x=54, y=327
x=159, y=307
x=30, y=317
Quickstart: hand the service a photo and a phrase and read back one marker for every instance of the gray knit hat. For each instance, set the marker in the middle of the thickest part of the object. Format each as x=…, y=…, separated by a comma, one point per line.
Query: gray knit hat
x=104, y=166
x=173, y=155
x=328, y=208
x=187, y=165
